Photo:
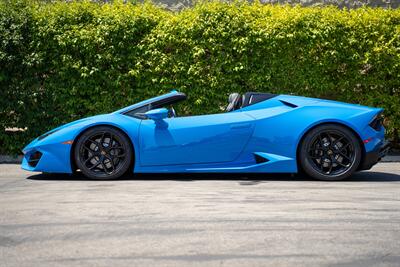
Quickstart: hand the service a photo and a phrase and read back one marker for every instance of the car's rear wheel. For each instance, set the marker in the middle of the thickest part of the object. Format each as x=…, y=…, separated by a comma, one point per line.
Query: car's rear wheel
x=103, y=153
x=330, y=152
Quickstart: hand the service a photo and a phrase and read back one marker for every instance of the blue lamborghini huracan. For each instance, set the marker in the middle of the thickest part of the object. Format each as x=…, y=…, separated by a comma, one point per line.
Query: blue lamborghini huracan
x=258, y=133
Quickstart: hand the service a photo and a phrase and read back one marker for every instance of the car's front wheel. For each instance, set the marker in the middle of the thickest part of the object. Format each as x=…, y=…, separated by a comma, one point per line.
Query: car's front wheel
x=330, y=152
x=103, y=153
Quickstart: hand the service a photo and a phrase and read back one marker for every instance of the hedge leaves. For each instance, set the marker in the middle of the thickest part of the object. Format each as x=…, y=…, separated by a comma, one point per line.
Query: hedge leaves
x=63, y=61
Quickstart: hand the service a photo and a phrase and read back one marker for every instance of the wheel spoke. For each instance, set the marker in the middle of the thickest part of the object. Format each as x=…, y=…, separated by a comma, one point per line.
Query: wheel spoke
x=337, y=140
x=343, y=147
x=320, y=140
x=104, y=166
x=89, y=149
x=120, y=155
x=330, y=166
x=95, y=143
x=321, y=164
x=110, y=142
x=89, y=159
x=341, y=164
x=344, y=155
x=102, y=139
x=312, y=149
x=111, y=162
x=329, y=137
x=95, y=165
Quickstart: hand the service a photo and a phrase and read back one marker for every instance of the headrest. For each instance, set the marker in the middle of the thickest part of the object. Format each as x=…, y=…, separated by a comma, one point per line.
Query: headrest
x=234, y=102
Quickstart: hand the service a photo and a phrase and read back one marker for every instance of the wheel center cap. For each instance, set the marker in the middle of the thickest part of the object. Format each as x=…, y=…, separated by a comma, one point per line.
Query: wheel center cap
x=103, y=152
x=330, y=152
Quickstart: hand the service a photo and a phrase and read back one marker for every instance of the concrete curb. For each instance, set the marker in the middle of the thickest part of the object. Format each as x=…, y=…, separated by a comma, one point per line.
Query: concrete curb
x=18, y=159
x=391, y=158
x=10, y=159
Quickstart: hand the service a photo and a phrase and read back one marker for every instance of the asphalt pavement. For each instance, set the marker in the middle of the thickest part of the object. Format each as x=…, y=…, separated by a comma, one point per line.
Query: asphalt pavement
x=200, y=220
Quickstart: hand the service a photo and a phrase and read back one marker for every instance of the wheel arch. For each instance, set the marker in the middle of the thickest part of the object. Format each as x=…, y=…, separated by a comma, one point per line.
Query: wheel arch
x=363, y=152
x=72, y=153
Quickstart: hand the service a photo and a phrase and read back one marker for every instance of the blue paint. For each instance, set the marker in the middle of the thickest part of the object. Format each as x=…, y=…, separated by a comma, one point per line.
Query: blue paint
x=225, y=142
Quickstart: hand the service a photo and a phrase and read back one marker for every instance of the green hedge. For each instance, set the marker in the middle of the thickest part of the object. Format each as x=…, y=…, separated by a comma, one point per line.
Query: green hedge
x=63, y=61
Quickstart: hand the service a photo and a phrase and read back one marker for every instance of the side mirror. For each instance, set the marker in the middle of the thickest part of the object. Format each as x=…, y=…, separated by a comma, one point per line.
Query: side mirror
x=157, y=114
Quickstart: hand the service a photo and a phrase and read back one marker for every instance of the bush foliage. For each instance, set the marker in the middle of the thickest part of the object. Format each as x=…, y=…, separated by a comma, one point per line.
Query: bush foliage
x=63, y=61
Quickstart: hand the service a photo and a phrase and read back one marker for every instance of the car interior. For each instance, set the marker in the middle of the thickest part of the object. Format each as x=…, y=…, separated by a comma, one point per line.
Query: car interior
x=237, y=101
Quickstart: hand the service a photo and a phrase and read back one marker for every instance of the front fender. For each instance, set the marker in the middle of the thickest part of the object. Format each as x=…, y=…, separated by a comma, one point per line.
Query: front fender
x=56, y=148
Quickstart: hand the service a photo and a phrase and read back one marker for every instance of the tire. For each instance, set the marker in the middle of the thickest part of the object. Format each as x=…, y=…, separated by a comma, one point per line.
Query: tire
x=330, y=152
x=103, y=153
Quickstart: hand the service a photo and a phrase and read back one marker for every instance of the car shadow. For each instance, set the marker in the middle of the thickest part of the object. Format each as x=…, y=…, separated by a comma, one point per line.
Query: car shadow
x=244, y=178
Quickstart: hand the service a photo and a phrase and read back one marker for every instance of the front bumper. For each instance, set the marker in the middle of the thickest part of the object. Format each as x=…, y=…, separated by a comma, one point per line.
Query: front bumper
x=374, y=156
x=53, y=157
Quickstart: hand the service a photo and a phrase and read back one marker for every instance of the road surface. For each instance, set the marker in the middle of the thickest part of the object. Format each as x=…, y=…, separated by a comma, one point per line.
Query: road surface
x=192, y=220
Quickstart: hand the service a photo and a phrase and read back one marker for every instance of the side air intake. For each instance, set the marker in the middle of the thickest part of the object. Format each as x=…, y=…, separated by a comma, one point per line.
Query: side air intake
x=260, y=159
x=288, y=104
x=34, y=159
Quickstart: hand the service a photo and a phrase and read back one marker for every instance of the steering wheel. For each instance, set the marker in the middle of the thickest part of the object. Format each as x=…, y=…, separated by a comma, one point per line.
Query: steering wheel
x=172, y=112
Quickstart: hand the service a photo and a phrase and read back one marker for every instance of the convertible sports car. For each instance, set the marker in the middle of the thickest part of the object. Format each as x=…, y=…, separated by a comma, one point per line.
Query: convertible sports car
x=258, y=133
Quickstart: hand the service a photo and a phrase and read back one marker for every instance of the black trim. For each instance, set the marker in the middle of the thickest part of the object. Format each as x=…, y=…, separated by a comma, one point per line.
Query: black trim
x=251, y=98
x=377, y=122
x=47, y=134
x=34, y=159
x=154, y=105
x=288, y=104
x=168, y=101
x=373, y=157
x=260, y=159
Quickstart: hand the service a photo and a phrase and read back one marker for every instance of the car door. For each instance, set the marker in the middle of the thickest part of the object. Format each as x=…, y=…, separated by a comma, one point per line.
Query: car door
x=195, y=139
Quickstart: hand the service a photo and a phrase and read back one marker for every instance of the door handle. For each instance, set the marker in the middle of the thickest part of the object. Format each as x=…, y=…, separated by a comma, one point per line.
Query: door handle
x=241, y=126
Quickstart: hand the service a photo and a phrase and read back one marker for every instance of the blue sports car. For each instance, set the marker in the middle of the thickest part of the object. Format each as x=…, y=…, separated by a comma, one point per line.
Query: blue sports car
x=258, y=133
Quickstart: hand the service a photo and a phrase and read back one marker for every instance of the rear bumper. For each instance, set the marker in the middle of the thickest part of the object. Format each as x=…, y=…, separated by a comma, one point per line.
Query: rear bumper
x=374, y=156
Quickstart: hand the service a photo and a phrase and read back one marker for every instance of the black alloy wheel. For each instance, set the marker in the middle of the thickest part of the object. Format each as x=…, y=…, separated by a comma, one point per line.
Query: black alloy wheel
x=330, y=152
x=103, y=153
